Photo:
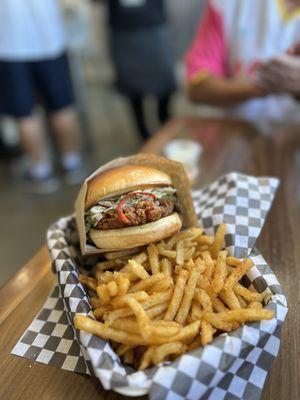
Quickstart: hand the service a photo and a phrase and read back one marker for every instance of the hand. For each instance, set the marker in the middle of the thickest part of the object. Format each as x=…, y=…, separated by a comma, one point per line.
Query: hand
x=294, y=50
x=280, y=74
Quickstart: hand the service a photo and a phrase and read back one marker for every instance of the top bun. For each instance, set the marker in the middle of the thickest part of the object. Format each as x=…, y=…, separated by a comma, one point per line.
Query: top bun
x=122, y=180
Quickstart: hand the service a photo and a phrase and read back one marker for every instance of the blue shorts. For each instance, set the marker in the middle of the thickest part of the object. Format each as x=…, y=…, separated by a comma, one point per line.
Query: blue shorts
x=24, y=84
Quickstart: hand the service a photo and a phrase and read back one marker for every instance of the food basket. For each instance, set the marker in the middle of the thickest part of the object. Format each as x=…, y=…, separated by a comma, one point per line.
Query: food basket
x=235, y=364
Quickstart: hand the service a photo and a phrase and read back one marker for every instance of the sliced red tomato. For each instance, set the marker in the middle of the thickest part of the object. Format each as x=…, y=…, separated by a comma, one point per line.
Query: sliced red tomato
x=123, y=201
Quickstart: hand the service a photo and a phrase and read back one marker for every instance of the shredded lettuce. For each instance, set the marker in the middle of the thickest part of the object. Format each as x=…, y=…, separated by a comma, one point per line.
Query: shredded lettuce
x=95, y=213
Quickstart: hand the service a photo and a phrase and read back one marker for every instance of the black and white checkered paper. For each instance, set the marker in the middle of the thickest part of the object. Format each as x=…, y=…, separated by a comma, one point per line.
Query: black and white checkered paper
x=235, y=364
x=50, y=338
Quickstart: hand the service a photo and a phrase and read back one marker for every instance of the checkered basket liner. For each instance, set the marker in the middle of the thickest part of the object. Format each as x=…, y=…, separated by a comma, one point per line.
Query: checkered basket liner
x=50, y=338
x=235, y=364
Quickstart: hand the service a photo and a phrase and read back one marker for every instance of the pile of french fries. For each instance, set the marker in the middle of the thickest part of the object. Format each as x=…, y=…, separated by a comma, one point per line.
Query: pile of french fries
x=173, y=297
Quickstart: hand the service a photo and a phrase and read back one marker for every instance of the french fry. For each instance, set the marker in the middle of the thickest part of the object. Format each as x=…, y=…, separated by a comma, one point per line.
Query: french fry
x=189, y=264
x=177, y=295
x=188, y=243
x=99, y=329
x=219, y=240
x=233, y=261
x=206, y=333
x=237, y=274
x=203, y=298
x=230, y=269
x=105, y=332
x=155, y=327
x=189, y=291
x=204, y=283
x=112, y=288
x=200, y=264
x=146, y=358
x=140, y=314
x=177, y=269
x=164, y=328
x=157, y=310
x=154, y=300
x=165, y=350
x=120, y=301
x=161, y=286
x=220, y=272
x=103, y=294
x=88, y=281
x=217, y=304
x=180, y=253
x=95, y=302
x=209, y=265
x=195, y=313
x=187, y=332
x=147, y=283
x=100, y=311
x=217, y=322
x=104, y=265
x=123, y=285
x=138, y=269
x=255, y=304
x=204, y=239
x=188, y=253
x=166, y=267
x=127, y=274
x=247, y=294
x=229, y=298
x=163, y=251
x=242, y=302
x=153, y=258
x=188, y=233
x=105, y=277
x=248, y=314
x=140, y=258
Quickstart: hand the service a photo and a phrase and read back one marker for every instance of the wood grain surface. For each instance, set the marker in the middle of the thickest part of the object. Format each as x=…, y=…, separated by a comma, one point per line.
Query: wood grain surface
x=23, y=282
x=228, y=146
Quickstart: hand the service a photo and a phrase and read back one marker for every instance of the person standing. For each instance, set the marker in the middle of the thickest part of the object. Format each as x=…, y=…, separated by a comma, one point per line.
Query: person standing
x=141, y=52
x=34, y=68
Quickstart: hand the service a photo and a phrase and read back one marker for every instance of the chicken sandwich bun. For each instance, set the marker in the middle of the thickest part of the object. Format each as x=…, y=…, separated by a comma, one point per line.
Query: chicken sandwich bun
x=130, y=206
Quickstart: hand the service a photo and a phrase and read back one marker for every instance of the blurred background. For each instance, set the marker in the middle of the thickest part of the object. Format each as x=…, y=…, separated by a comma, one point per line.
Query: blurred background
x=85, y=81
x=107, y=125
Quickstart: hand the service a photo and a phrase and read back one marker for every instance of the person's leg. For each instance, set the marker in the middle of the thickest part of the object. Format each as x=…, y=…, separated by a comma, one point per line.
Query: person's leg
x=31, y=131
x=54, y=83
x=18, y=100
x=136, y=103
x=163, y=108
x=66, y=131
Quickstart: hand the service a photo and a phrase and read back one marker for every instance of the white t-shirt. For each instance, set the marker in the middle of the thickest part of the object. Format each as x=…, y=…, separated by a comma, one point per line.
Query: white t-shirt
x=30, y=30
x=233, y=37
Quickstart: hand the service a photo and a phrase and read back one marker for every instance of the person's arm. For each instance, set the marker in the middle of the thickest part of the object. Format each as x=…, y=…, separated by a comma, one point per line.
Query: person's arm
x=207, y=64
x=219, y=91
x=295, y=51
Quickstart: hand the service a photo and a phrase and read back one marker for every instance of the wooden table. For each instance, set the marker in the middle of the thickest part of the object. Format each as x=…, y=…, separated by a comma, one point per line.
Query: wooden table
x=228, y=146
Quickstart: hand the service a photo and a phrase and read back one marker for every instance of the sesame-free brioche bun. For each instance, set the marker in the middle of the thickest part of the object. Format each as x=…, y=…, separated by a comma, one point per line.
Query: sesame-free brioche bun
x=123, y=179
x=135, y=236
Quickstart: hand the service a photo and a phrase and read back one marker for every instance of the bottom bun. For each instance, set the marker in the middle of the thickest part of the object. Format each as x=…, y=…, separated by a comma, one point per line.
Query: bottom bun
x=135, y=236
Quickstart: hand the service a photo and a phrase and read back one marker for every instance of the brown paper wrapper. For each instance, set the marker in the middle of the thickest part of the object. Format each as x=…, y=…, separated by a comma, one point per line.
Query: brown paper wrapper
x=179, y=180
